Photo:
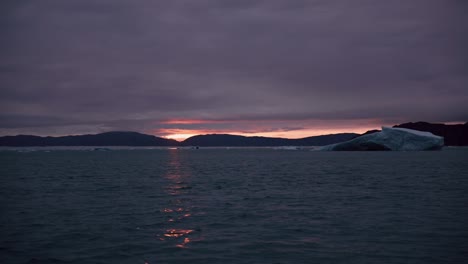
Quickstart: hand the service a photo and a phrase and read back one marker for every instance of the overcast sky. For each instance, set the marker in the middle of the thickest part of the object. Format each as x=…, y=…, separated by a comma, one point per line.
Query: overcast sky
x=287, y=68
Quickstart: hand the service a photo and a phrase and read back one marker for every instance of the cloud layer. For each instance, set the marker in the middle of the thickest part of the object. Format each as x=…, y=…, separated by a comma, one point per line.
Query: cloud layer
x=83, y=66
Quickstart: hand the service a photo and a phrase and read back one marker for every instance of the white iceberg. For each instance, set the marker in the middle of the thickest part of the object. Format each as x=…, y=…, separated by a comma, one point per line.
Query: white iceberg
x=397, y=139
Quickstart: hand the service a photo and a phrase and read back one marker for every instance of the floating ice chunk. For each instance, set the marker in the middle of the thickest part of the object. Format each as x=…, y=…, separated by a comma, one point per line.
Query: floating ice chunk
x=399, y=139
x=287, y=148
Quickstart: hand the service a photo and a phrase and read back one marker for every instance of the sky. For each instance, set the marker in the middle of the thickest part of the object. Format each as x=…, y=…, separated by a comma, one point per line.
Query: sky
x=282, y=68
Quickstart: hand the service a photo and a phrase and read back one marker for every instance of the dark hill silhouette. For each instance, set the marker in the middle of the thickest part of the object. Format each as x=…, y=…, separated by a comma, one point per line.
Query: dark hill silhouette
x=370, y=132
x=326, y=139
x=103, y=139
x=218, y=140
x=454, y=135
x=138, y=139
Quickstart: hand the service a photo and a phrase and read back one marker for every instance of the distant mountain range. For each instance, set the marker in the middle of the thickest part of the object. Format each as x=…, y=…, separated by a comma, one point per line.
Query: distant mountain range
x=455, y=135
x=103, y=139
x=138, y=139
x=218, y=140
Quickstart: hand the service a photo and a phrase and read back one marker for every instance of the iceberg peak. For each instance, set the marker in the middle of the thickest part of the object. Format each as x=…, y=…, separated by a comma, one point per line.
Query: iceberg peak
x=397, y=139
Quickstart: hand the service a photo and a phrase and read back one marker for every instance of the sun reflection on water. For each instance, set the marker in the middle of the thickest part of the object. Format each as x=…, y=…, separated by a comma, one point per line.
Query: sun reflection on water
x=178, y=211
x=182, y=245
x=177, y=232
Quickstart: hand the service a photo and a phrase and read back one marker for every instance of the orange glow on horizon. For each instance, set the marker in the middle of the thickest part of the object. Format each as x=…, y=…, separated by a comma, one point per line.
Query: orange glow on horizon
x=182, y=134
x=182, y=128
x=291, y=129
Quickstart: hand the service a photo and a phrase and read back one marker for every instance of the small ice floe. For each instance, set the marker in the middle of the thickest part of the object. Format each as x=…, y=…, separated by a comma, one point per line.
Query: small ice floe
x=25, y=150
x=288, y=148
x=101, y=149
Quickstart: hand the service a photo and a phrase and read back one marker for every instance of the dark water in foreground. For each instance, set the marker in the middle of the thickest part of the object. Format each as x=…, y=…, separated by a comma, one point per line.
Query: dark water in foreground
x=233, y=206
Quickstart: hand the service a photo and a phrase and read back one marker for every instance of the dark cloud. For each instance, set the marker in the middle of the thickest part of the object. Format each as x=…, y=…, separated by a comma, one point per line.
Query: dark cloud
x=130, y=65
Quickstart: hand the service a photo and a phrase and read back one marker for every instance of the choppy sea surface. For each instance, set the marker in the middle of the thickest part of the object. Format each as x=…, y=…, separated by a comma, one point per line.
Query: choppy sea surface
x=233, y=206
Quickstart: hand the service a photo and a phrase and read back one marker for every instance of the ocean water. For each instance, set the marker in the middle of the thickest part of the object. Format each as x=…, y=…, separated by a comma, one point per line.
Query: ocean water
x=233, y=206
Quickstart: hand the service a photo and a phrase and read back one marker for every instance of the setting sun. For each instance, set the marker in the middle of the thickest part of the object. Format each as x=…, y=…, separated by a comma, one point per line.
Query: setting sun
x=180, y=137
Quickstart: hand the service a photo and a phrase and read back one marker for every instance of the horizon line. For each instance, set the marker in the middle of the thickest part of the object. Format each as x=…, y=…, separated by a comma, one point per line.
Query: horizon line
x=164, y=137
x=182, y=135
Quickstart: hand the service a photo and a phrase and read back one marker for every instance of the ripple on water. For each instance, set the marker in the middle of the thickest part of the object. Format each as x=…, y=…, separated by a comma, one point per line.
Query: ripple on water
x=236, y=206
